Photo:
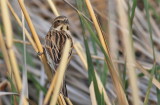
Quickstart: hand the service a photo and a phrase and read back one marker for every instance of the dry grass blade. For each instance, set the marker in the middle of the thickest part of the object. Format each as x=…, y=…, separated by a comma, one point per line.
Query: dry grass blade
x=60, y=72
x=120, y=93
x=127, y=40
x=54, y=9
x=37, y=41
x=8, y=32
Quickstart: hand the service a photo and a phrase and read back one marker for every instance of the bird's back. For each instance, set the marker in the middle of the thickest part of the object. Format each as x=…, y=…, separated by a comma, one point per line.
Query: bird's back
x=54, y=45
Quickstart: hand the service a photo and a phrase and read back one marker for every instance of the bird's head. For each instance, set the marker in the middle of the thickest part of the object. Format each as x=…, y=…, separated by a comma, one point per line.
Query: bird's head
x=61, y=23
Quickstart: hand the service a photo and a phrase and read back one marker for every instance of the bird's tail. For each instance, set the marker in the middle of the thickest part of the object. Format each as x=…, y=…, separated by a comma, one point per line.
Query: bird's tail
x=64, y=89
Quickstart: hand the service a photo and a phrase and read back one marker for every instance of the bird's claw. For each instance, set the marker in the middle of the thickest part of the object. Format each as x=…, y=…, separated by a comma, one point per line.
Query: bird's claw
x=40, y=53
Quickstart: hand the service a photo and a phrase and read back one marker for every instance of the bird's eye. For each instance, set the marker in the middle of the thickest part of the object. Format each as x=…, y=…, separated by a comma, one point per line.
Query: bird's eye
x=58, y=21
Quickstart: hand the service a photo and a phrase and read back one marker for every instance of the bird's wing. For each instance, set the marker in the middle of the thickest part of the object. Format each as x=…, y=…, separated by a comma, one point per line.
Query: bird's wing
x=51, y=50
x=54, y=45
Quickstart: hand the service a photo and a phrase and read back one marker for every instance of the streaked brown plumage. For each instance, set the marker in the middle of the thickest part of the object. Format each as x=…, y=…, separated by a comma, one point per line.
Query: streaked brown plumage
x=55, y=41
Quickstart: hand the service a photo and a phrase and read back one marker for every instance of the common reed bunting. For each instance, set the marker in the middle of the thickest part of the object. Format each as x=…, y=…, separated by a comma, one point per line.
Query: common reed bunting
x=54, y=44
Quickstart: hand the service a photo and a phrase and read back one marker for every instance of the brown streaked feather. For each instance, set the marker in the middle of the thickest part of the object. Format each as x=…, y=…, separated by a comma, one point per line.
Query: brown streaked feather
x=54, y=43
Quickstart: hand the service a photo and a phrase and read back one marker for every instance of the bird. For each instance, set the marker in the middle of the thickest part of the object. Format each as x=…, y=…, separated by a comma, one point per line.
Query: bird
x=54, y=44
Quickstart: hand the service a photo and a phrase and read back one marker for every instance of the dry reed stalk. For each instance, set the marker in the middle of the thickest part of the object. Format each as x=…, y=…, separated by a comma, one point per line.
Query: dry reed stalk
x=130, y=57
x=50, y=90
x=25, y=101
x=68, y=101
x=60, y=72
x=61, y=100
x=8, y=33
x=59, y=103
x=53, y=7
x=82, y=56
x=5, y=54
x=6, y=23
x=14, y=66
x=115, y=77
x=37, y=41
x=20, y=24
x=22, y=42
x=92, y=94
